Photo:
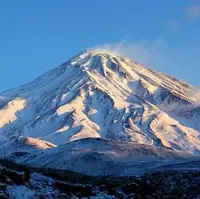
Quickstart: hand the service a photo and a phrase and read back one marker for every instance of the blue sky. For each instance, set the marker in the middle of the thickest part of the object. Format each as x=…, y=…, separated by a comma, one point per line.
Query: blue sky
x=36, y=35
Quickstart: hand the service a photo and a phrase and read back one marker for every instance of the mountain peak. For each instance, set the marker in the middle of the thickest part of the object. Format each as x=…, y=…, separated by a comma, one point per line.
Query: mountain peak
x=101, y=51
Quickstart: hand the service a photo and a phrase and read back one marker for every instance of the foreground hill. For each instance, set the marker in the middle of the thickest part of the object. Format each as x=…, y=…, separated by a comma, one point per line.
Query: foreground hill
x=17, y=181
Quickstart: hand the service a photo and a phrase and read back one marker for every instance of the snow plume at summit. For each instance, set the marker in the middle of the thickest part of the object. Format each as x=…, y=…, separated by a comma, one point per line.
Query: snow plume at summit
x=147, y=53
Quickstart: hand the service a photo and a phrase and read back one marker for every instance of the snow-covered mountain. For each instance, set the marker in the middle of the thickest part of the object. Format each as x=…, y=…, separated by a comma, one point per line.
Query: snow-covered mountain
x=98, y=94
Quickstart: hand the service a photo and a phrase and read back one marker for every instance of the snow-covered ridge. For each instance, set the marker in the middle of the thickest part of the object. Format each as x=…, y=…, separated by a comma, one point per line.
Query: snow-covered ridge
x=23, y=145
x=98, y=94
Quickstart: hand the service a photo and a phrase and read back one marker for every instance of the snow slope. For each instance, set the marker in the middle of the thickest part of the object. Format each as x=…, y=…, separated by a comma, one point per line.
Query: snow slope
x=96, y=156
x=21, y=146
x=97, y=94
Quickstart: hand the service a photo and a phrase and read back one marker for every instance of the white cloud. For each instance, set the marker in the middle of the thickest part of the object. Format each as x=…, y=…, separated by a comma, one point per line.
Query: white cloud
x=147, y=53
x=193, y=12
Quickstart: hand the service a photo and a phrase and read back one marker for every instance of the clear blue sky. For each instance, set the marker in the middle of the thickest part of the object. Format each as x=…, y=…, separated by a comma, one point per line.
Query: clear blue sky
x=37, y=35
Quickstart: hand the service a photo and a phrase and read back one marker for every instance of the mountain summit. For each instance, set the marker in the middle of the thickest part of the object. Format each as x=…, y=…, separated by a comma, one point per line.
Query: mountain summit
x=98, y=94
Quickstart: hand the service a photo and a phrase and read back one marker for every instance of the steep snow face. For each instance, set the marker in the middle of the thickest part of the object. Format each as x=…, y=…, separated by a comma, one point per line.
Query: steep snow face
x=97, y=94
